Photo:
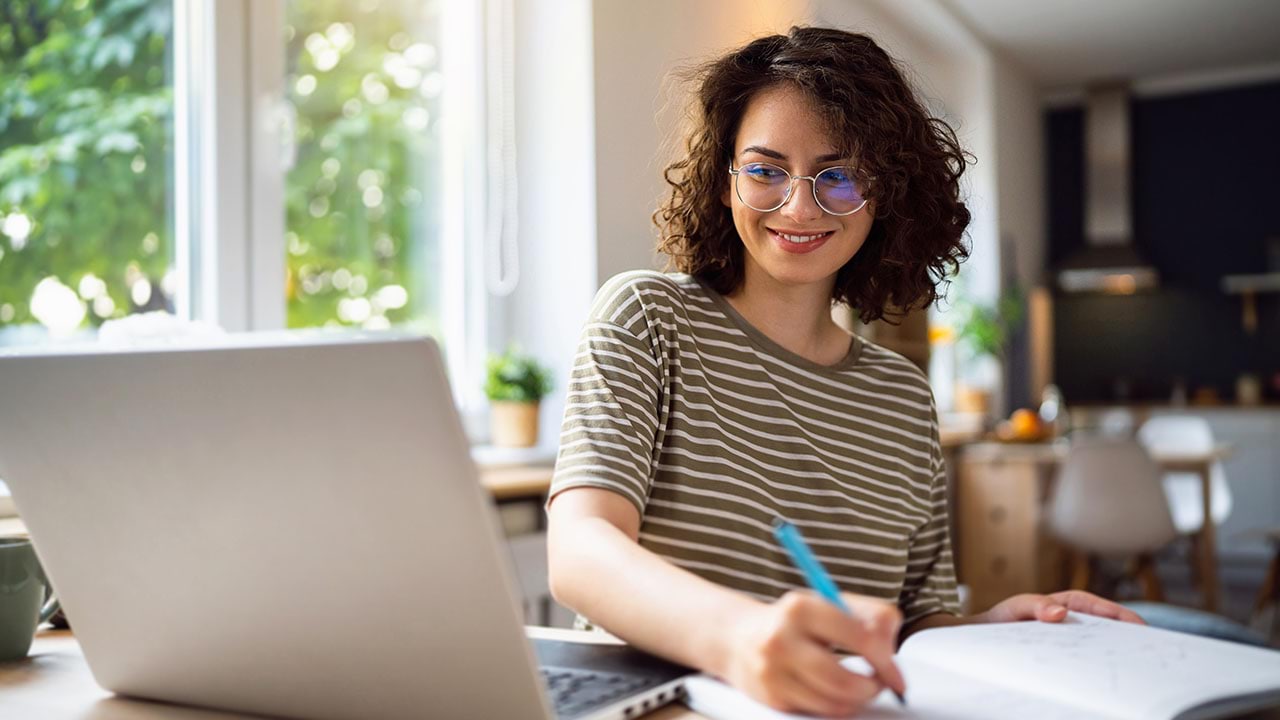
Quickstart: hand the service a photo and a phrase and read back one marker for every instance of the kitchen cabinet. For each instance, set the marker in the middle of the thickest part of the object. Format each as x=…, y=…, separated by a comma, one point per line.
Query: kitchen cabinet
x=1002, y=547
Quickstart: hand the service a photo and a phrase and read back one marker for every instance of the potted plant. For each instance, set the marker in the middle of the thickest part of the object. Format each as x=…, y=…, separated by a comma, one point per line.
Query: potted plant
x=515, y=384
x=984, y=331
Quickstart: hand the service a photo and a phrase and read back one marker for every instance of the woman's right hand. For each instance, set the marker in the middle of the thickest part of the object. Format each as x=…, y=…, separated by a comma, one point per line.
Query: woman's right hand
x=781, y=653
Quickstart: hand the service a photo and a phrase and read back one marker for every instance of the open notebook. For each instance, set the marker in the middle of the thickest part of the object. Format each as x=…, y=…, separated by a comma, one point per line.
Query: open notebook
x=1084, y=667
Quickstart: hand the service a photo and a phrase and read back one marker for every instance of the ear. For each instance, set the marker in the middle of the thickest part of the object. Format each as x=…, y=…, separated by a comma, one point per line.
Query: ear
x=726, y=197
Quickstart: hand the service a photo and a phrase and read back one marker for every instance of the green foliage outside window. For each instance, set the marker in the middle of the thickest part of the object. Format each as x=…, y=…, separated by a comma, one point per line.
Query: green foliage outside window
x=85, y=139
x=363, y=197
x=86, y=171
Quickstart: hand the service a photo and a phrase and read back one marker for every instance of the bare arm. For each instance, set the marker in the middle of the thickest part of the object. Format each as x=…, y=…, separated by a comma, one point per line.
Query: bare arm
x=1045, y=608
x=598, y=568
x=777, y=652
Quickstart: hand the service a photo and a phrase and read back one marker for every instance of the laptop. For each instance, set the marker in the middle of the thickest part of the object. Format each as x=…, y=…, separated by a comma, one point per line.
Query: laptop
x=286, y=524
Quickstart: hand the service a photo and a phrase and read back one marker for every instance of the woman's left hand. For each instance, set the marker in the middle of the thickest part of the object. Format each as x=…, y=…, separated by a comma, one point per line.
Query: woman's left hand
x=1054, y=608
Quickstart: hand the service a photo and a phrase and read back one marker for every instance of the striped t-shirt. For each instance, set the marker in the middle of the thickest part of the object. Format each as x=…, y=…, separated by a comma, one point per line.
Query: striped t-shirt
x=712, y=430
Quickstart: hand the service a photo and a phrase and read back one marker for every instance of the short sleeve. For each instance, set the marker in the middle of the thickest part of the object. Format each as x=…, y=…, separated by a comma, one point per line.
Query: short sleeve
x=930, y=584
x=611, y=414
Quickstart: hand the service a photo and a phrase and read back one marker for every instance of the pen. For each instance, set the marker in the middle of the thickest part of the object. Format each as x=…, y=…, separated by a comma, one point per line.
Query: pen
x=815, y=575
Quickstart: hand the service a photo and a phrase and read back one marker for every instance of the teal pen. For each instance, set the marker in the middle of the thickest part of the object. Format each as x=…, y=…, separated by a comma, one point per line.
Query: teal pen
x=814, y=573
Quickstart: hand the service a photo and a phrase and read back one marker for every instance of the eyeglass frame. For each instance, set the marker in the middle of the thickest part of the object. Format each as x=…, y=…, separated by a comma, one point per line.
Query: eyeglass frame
x=791, y=184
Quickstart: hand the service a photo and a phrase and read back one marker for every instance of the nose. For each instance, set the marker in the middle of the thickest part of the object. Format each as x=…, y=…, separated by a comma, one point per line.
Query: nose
x=801, y=206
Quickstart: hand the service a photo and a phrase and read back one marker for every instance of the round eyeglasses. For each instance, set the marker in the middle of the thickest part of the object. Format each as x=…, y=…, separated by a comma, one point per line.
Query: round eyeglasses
x=764, y=187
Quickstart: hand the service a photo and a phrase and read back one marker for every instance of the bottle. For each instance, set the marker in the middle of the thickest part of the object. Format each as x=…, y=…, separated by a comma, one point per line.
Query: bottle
x=1053, y=413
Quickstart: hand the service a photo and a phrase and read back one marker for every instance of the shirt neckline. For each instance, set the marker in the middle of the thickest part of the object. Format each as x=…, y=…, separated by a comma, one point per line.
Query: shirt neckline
x=762, y=341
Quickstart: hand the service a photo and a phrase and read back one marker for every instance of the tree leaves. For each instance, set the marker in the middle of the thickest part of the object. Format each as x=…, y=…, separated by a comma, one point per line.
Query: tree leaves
x=70, y=137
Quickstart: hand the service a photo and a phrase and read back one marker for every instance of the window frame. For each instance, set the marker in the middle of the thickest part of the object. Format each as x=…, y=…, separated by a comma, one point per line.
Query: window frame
x=231, y=126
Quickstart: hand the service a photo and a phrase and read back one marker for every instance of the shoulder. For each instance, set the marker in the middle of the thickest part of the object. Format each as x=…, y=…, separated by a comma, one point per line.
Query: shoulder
x=894, y=372
x=647, y=291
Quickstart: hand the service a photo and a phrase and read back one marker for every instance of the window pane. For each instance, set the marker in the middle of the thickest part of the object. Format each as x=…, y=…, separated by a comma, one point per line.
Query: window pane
x=363, y=196
x=86, y=223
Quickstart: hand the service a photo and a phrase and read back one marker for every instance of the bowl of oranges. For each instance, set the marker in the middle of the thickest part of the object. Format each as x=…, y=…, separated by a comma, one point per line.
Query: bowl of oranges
x=1023, y=425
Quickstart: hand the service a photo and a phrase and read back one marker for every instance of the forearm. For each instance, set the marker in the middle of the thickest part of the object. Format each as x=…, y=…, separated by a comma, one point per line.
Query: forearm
x=934, y=620
x=598, y=571
x=946, y=619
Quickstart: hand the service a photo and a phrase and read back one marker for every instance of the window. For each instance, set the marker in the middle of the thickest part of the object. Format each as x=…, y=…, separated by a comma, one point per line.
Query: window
x=363, y=197
x=86, y=165
x=254, y=164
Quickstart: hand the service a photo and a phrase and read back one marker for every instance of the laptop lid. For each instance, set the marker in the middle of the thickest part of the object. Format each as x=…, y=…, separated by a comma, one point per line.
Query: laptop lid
x=282, y=524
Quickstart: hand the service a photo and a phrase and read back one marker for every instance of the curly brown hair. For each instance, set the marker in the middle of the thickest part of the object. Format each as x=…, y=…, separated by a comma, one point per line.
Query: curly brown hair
x=916, y=239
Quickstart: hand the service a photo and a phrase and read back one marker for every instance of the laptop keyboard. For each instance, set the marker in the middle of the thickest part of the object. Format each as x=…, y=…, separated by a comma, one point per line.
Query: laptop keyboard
x=574, y=691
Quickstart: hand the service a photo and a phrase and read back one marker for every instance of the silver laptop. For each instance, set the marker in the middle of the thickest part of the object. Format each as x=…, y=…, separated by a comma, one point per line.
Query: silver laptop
x=284, y=524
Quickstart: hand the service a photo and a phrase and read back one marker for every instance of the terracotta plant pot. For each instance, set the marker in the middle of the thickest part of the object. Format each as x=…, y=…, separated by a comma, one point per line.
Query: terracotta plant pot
x=514, y=424
x=970, y=399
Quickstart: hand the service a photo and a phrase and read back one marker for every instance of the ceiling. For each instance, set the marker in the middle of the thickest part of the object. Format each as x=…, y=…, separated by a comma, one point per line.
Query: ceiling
x=1065, y=44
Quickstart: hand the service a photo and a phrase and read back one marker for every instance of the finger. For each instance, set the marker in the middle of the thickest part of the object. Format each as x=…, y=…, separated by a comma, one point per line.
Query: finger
x=871, y=631
x=879, y=615
x=818, y=667
x=1091, y=604
x=810, y=698
x=1048, y=609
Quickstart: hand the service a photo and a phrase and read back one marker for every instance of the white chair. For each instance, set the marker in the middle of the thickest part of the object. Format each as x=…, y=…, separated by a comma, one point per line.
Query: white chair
x=1187, y=434
x=1108, y=502
x=1115, y=422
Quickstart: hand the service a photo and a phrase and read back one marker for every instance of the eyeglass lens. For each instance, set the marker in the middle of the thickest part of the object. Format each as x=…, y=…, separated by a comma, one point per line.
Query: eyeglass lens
x=764, y=187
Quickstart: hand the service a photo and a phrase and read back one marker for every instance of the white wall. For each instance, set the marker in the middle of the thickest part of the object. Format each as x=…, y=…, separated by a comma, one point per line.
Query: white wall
x=639, y=104
x=557, y=199
x=1020, y=182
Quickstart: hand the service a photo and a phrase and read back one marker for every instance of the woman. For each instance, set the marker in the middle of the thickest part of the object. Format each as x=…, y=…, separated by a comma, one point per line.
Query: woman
x=706, y=403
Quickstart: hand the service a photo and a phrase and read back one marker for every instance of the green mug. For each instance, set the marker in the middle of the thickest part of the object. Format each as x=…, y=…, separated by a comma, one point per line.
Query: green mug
x=26, y=599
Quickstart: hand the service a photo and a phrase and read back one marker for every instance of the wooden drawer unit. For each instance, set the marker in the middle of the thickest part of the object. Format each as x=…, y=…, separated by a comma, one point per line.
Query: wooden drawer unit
x=1002, y=548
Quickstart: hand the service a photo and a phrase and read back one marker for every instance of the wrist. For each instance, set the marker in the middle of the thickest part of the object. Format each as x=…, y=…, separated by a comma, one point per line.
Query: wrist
x=724, y=639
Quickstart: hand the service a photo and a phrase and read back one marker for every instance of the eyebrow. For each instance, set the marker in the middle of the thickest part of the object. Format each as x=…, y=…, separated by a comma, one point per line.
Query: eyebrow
x=770, y=153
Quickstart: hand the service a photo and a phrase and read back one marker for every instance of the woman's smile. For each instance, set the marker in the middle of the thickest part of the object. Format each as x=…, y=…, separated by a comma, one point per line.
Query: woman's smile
x=797, y=243
x=800, y=241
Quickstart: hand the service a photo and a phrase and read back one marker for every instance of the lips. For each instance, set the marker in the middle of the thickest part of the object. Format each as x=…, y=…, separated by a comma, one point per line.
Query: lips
x=800, y=242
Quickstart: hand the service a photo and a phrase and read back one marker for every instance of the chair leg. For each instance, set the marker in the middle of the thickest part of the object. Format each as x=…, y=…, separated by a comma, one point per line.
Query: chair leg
x=1193, y=562
x=1081, y=570
x=1269, y=593
x=1146, y=572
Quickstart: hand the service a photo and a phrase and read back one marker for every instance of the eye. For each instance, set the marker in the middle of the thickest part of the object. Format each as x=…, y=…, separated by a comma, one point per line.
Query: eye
x=837, y=176
x=763, y=172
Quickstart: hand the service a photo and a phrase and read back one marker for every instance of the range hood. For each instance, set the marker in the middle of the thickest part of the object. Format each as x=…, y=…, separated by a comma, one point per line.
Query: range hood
x=1109, y=263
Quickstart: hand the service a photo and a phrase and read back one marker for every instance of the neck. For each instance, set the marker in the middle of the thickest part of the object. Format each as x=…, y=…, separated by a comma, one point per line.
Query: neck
x=797, y=317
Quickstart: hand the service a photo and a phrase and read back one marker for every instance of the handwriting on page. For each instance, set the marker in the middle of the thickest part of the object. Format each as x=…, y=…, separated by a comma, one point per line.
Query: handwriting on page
x=1112, y=659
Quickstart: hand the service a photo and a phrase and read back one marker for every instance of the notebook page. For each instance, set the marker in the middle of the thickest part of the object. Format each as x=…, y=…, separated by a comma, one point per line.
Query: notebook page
x=933, y=693
x=1103, y=665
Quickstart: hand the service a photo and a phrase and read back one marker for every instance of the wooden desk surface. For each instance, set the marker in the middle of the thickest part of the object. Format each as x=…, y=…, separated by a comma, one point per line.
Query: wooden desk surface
x=54, y=683
x=517, y=481
x=514, y=482
x=1056, y=452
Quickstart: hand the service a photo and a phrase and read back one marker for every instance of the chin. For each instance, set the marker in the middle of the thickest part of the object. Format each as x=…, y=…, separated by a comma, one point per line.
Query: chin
x=799, y=277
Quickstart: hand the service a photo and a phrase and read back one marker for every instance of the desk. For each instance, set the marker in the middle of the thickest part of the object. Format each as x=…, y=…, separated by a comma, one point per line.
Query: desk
x=54, y=683
x=508, y=484
x=516, y=483
x=1001, y=490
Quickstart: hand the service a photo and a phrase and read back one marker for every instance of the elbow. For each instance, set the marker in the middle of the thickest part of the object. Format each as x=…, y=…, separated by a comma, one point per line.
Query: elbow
x=560, y=586
x=561, y=573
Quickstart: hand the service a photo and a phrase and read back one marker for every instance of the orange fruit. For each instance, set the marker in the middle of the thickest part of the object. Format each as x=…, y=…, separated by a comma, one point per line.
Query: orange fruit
x=1025, y=424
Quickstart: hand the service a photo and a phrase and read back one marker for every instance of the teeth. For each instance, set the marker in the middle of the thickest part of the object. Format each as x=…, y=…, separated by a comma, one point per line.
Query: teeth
x=801, y=238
